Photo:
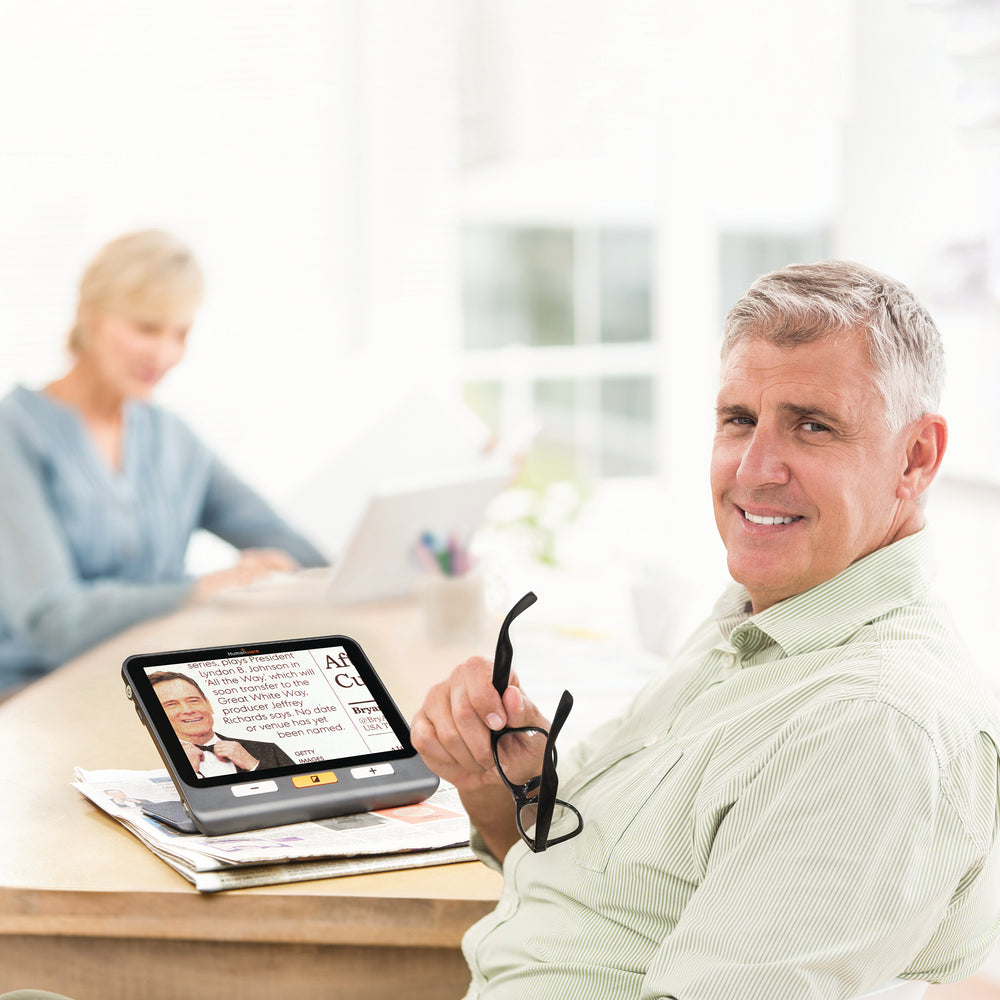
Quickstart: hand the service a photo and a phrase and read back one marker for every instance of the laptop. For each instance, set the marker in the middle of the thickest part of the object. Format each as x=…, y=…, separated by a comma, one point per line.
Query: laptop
x=377, y=561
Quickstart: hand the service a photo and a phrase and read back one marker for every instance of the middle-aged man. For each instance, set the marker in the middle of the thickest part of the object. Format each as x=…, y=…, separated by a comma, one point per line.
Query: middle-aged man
x=193, y=722
x=807, y=804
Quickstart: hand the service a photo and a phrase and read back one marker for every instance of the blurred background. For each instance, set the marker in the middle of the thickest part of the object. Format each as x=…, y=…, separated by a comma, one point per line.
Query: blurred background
x=541, y=208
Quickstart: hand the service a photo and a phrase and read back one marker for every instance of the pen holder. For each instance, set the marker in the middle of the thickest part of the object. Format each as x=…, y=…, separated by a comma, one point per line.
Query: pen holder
x=454, y=607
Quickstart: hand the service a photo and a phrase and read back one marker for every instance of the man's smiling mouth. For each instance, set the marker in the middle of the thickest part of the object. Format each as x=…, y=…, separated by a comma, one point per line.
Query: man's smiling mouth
x=758, y=519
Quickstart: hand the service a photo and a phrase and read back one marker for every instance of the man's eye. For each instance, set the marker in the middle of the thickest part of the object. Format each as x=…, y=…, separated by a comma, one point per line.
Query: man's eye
x=815, y=427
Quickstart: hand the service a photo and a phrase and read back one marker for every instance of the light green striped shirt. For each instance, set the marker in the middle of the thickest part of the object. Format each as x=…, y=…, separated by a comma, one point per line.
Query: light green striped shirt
x=805, y=808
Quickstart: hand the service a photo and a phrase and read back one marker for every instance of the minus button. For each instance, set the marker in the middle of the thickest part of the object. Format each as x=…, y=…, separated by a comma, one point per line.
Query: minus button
x=257, y=788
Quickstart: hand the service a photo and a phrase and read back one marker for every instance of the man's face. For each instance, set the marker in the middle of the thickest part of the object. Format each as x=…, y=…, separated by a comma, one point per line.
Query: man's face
x=188, y=711
x=804, y=472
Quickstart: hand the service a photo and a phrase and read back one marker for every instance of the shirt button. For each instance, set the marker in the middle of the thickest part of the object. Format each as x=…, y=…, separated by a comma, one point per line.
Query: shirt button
x=507, y=907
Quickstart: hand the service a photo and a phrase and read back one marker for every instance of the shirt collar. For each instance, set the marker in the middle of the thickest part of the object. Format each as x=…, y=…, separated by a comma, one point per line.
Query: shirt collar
x=828, y=614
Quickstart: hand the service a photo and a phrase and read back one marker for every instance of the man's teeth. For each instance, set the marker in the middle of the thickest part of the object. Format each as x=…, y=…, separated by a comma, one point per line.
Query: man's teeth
x=754, y=519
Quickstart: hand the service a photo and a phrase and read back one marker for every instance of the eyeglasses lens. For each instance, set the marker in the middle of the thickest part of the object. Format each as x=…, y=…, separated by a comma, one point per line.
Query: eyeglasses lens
x=518, y=754
x=565, y=821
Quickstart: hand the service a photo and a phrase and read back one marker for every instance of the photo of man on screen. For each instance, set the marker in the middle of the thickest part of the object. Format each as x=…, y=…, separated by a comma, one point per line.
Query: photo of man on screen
x=192, y=718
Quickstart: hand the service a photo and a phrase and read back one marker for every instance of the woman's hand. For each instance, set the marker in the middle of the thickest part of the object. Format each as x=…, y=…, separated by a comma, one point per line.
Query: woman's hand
x=253, y=565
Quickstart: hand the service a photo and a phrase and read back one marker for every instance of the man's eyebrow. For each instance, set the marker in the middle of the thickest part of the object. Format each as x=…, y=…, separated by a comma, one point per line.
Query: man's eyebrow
x=816, y=413
x=732, y=410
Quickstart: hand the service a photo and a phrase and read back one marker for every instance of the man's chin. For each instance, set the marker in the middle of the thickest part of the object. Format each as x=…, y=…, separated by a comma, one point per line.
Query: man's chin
x=763, y=587
x=199, y=738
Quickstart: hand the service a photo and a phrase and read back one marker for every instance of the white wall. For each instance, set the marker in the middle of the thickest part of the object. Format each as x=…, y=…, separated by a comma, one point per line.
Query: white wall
x=231, y=123
x=305, y=148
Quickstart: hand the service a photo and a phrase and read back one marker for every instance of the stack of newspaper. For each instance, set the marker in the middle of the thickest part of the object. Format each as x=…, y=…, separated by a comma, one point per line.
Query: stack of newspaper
x=433, y=832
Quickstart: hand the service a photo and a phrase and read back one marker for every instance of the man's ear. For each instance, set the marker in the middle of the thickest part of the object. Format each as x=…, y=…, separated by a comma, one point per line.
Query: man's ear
x=926, y=444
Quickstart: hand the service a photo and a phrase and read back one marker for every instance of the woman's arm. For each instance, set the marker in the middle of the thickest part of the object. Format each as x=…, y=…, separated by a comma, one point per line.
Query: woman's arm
x=240, y=516
x=44, y=603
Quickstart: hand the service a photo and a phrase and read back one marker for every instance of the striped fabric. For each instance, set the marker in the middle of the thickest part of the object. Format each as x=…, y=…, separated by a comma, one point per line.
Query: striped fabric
x=806, y=807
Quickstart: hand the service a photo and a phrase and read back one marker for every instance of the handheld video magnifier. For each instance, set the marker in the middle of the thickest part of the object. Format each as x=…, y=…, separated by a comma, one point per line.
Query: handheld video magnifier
x=274, y=733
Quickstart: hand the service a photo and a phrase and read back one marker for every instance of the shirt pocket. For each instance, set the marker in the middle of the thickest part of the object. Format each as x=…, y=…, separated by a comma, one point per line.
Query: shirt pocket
x=611, y=796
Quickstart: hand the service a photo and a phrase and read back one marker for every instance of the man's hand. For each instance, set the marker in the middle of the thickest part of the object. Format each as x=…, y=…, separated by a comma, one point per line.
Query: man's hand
x=194, y=754
x=452, y=733
x=236, y=754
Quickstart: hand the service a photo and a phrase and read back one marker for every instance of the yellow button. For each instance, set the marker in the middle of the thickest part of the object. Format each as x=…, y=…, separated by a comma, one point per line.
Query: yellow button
x=305, y=780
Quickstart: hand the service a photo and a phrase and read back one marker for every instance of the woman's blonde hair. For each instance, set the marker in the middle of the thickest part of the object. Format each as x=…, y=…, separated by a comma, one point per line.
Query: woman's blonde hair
x=147, y=274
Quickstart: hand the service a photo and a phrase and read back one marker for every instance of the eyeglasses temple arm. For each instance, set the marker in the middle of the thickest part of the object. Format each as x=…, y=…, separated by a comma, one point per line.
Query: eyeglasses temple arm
x=504, y=651
x=549, y=785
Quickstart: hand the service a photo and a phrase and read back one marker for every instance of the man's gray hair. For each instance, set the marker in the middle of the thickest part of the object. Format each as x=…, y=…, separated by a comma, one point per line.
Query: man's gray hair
x=808, y=302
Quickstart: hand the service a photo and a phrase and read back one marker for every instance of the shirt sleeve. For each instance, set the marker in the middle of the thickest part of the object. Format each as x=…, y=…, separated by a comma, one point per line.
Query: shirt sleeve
x=836, y=867
x=44, y=603
x=482, y=852
x=240, y=516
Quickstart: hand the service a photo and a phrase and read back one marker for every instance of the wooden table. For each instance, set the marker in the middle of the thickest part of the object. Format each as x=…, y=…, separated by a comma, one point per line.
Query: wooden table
x=86, y=909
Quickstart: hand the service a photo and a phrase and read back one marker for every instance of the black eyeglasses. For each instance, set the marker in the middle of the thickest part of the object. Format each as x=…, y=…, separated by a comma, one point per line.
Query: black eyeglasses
x=542, y=818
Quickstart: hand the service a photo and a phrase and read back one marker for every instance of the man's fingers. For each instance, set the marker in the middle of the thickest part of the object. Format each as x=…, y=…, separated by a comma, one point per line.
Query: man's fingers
x=444, y=753
x=521, y=710
x=452, y=730
x=448, y=736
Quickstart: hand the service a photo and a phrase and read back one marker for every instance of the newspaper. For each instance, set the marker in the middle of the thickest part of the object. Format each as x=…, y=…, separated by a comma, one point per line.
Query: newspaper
x=432, y=832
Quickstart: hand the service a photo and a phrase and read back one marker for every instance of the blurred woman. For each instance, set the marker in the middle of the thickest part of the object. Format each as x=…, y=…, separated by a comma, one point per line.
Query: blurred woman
x=100, y=491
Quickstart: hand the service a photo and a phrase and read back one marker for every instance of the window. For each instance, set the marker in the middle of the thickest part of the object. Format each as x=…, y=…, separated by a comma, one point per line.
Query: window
x=557, y=329
x=745, y=255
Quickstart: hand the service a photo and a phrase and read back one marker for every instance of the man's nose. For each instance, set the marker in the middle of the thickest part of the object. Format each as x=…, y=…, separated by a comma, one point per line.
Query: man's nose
x=765, y=460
